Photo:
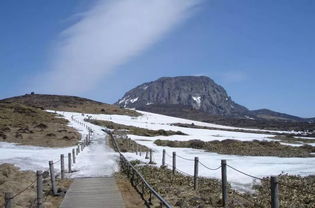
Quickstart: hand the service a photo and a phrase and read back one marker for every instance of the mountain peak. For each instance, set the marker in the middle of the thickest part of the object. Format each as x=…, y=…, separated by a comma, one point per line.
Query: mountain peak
x=198, y=92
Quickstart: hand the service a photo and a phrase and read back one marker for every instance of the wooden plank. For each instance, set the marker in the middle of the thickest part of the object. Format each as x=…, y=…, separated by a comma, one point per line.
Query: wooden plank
x=93, y=193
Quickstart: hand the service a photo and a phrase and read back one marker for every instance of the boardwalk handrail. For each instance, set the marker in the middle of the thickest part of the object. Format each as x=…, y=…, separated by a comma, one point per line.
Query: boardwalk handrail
x=163, y=202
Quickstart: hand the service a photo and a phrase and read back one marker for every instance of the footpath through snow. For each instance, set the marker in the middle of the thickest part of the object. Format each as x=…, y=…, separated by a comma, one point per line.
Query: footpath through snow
x=99, y=160
x=259, y=166
x=96, y=160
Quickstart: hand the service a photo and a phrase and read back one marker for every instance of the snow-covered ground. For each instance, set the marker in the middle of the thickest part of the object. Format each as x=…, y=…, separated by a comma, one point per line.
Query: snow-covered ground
x=99, y=160
x=257, y=166
x=95, y=160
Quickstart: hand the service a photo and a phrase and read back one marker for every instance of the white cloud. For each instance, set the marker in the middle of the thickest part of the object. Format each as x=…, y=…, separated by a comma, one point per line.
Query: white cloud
x=108, y=35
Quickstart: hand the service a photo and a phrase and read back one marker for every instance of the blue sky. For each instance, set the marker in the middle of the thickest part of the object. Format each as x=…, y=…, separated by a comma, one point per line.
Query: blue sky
x=261, y=52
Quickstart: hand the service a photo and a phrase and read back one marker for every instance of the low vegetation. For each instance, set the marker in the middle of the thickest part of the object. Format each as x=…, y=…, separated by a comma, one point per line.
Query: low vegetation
x=13, y=180
x=32, y=126
x=192, y=125
x=248, y=148
x=134, y=130
x=192, y=114
x=129, y=145
x=295, y=191
x=293, y=140
x=130, y=196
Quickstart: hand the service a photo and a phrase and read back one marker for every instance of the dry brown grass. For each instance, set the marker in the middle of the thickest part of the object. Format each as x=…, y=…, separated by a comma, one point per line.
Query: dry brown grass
x=32, y=126
x=130, y=195
x=251, y=148
x=69, y=103
x=134, y=130
x=13, y=180
x=295, y=191
x=55, y=201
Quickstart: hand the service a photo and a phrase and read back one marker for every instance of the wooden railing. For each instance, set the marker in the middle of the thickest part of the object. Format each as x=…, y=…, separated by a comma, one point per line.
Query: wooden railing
x=137, y=180
x=38, y=202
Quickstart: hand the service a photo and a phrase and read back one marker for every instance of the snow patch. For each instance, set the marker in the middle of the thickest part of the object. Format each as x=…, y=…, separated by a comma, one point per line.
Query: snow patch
x=249, y=118
x=122, y=100
x=197, y=99
x=134, y=100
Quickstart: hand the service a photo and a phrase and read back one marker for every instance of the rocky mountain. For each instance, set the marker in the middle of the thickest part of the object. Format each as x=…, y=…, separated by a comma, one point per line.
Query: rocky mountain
x=200, y=93
x=195, y=97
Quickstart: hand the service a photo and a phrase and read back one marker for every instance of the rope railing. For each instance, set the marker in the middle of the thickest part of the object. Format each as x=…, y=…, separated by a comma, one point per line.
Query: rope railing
x=212, y=169
x=168, y=155
x=38, y=201
x=274, y=192
x=55, y=162
x=23, y=190
x=192, y=160
x=185, y=158
x=129, y=167
x=180, y=171
x=274, y=183
x=251, y=176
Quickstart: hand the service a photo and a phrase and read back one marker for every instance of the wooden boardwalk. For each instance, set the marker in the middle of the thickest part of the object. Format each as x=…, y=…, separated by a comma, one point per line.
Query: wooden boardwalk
x=93, y=193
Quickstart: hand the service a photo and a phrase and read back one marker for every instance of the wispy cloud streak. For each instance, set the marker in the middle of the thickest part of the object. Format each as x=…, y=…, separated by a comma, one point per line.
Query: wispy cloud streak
x=108, y=35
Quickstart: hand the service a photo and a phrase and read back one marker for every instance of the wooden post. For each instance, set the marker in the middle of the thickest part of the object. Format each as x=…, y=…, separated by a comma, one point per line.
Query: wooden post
x=8, y=200
x=274, y=192
x=150, y=198
x=136, y=148
x=52, y=177
x=147, y=155
x=151, y=161
x=196, y=173
x=132, y=177
x=39, y=200
x=62, y=166
x=224, y=183
x=73, y=156
x=174, y=163
x=129, y=144
x=69, y=162
x=163, y=159
x=142, y=189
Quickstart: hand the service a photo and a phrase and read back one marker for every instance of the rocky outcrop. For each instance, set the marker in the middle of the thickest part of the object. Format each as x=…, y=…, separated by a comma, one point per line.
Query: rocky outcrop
x=199, y=92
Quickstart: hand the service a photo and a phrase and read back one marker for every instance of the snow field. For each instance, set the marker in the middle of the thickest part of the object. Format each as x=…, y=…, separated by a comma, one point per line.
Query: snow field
x=256, y=166
x=98, y=159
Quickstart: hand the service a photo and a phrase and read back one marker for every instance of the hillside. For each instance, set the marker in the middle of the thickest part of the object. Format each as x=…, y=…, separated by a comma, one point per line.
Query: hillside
x=272, y=115
x=32, y=126
x=68, y=103
x=189, y=113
